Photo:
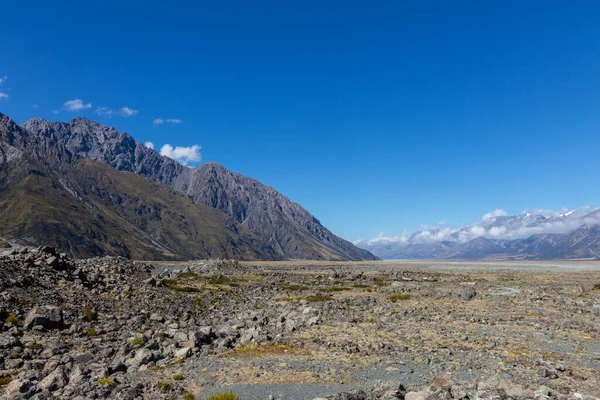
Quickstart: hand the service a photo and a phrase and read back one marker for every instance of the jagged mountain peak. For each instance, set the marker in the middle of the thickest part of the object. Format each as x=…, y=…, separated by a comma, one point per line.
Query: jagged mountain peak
x=287, y=226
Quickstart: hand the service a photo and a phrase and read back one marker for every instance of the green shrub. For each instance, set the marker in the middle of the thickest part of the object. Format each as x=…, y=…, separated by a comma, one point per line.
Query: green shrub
x=224, y=396
x=5, y=380
x=178, y=377
x=128, y=293
x=34, y=346
x=89, y=314
x=189, y=396
x=137, y=342
x=399, y=296
x=106, y=382
x=90, y=332
x=164, y=386
x=11, y=319
x=596, y=287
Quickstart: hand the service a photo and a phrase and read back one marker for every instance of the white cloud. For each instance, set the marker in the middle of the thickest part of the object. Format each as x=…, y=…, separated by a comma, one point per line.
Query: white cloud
x=3, y=79
x=496, y=213
x=76, y=105
x=149, y=145
x=127, y=112
x=104, y=111
x=160, y=121
x=184, y=155
x=530, y=222
x=3, y=95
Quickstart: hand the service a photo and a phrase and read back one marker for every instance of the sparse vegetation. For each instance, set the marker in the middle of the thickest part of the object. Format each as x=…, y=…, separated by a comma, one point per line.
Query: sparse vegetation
x=253, y=350
x=128, y=293
x=319, y=297
x=596, y=287
x=178, y=377
x=34, y=346
x=335, y=289
x=218, y=280
x=137, y=342
x=399, y=296
x=5, y=380
x=11, y=319
x=224, y=396
x=164, y=386
x=360, y=285
x=89, y=314
x=189, y=396
x=106, y=382
x=90, y=332
x=177, y=287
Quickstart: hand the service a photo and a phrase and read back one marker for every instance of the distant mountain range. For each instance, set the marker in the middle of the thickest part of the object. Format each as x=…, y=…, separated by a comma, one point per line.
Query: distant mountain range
x=546, y=235
x=91, y=190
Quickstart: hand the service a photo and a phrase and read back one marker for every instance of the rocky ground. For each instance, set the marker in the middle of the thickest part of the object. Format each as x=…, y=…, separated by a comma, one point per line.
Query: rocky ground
x=111, y=328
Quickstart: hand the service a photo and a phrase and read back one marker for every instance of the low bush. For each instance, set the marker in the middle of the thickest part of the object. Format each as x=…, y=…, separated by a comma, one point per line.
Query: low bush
x=11, y=319
x=106, y=382
x=90, y=332
x=178, y=377
x=137, y=342
x=164, y=386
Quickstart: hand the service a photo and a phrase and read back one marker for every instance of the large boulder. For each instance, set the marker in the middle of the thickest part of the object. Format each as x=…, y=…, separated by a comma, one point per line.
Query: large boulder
x=48, y=317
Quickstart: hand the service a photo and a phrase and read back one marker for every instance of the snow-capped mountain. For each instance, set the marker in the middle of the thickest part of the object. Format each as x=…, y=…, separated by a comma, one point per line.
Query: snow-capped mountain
x=535, y=234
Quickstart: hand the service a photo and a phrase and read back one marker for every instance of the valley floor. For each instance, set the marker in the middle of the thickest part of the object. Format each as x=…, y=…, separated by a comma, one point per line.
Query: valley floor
x=302, y=330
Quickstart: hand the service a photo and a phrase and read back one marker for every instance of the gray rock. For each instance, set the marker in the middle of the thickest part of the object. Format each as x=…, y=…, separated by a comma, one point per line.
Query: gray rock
x=49, y=317
x=56, y=380
x=468, y=294
x=8, y=341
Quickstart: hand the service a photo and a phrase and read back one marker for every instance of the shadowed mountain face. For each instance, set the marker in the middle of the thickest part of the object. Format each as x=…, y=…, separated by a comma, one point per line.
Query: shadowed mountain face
x=270, y=225
x=48, y=195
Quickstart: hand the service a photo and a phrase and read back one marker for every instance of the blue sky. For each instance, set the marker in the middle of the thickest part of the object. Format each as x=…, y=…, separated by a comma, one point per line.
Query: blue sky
x=377, y=117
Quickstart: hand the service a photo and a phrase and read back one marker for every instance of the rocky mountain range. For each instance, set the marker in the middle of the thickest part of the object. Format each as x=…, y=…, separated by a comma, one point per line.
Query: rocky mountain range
x=91, y=190
x=571, y=234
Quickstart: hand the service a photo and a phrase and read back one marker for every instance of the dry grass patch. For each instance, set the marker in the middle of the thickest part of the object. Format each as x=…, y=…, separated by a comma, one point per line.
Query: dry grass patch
x=266, y=350
x=399, y=296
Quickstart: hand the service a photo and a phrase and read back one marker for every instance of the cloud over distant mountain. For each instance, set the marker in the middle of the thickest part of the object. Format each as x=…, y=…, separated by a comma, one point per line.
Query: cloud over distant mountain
x=497, y=225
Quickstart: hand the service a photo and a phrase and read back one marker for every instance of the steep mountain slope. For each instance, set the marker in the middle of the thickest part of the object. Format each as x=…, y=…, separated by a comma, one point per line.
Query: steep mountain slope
x=288, y=227
x=89, y=208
